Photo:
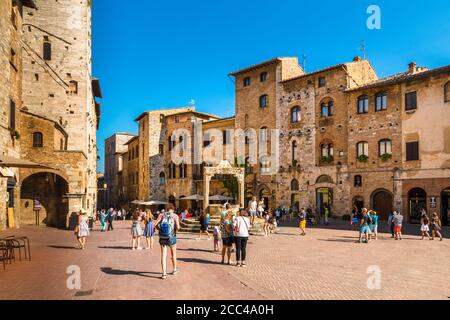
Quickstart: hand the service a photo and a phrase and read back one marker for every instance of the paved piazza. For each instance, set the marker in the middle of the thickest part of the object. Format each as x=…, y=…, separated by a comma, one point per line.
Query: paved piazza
x=327, y=264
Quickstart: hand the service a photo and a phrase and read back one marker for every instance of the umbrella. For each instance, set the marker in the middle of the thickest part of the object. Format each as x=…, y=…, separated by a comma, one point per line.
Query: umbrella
x=136, y=202
x=195, y=197
x=220, y=198
x=154, y=203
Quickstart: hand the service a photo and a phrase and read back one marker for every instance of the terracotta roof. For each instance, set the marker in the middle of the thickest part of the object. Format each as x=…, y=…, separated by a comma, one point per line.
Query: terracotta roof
x=315, y=72
x=404, y=77
x=131, y=140
x=259, y=65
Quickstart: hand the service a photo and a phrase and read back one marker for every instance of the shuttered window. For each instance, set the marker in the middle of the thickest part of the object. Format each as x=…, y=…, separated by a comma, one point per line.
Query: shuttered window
x=412, y=151
x=411, y=101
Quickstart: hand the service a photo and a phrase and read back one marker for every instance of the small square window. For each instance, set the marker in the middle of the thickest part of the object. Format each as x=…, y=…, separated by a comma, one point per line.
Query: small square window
x=247, y=82
x=322, y=82
x=263, y=77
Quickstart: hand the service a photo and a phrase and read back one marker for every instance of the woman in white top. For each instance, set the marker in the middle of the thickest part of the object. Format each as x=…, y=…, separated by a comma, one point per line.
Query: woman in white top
x=241, y=232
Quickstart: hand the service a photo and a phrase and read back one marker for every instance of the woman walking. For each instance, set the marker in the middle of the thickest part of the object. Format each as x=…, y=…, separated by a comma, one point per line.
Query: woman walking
x=226, y=225
x=103, y=220
x=425, y=227
x=149, y=229
x=241, y=230
x=436, y=226
x=203, y=226
x=136, y=231
x=82, y=229
x=266, y=225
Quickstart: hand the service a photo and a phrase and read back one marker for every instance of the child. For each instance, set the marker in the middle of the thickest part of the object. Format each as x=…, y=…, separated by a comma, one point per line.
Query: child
x=370, y=222
x=266, y=225
x=398, y=224
x=217, y=239
x=136, y=231
x=375, y=219
x=425, y=228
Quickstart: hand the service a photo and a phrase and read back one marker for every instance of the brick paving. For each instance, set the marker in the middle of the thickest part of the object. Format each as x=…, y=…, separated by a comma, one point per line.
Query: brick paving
x=326, y=264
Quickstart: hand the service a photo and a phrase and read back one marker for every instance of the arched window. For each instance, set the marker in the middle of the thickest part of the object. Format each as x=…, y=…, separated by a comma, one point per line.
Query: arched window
x=263, y=77
x=327, y=109
x=295, y=186
x=296, y=114
x=38, y=140
x=324, y=179
x=358, y=181
x=362, y=149
x=263, y=135
x=183, y=168
x=447, y=92
x=384, y=147
x=294, y=152
x=172, y=171
x=363, y=104
x=380, y=101
x=162, y=179
x=264, y=101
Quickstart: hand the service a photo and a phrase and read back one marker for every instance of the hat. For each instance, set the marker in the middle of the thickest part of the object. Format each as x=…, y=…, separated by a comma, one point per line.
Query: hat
x=83, y=211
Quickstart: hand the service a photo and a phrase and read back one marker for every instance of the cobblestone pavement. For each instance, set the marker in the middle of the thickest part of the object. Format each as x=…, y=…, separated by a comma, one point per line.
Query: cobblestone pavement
x=326, y=264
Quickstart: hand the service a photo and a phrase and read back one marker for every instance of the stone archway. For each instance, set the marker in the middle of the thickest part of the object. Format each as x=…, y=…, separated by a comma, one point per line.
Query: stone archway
x=51, y=191
x=224, y=168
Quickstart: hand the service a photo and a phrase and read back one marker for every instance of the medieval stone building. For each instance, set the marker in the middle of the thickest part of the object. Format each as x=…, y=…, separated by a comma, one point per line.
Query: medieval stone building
x=55, y=148
x=333, y=138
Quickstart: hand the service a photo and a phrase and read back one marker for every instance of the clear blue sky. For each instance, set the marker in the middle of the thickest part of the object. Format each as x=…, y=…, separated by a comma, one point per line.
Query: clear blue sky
x=161, y=54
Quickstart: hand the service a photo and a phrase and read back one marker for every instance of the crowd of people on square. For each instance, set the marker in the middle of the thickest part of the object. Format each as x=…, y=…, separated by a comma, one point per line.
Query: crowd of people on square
x=233, y=231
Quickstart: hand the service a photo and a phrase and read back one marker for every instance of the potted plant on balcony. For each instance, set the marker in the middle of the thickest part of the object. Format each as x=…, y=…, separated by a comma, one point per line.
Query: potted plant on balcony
x=363, y=158
x=326, y=159
x=386, y=157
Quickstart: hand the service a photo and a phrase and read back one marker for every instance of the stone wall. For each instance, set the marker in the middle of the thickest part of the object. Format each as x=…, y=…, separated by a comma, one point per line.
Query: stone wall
x=61, y=88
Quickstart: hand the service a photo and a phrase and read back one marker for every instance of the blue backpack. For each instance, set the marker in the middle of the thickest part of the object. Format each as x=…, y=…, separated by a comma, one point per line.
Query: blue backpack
x=167, y=227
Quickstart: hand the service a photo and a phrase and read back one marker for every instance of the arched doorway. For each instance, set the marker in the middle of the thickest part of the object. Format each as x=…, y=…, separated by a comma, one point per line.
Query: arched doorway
x=417, y=200
x=382, y=203
x=324, y=199
x=50, y=190
x=445, y=196
x=264, y=194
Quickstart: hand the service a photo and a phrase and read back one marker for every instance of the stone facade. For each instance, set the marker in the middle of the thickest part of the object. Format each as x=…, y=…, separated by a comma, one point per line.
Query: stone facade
x=11, y=20
x=115, y=146
x=344, y=140
x=56, y=111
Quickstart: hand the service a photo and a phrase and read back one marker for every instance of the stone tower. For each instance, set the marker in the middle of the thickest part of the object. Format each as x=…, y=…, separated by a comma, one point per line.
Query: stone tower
x=58, y=85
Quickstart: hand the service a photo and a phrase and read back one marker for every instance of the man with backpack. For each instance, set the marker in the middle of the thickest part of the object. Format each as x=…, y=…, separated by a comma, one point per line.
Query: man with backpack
x=168, y=224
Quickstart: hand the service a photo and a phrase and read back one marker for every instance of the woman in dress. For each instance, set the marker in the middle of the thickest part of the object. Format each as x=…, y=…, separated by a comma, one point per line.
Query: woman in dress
x=136, y=231
x=436, y=226
x=82, y=230
x=103, y=220
x=149, y=230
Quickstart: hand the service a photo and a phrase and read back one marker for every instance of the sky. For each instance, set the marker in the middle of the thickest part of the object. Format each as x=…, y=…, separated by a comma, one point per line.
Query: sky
x=164, y=54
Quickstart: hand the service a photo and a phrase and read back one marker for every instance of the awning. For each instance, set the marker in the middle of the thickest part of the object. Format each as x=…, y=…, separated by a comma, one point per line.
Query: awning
x=195, y=197
x=20, y=163
x=5, y=172
x=220, y=198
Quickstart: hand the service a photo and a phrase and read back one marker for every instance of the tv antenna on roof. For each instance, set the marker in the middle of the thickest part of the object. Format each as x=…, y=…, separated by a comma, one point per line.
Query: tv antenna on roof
x=304, y=62
x=362, y=48
x=192, y=103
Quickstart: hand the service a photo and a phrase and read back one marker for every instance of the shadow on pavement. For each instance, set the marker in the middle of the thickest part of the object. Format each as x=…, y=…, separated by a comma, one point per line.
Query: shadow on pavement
x=63, y=247
x=116, y=248
x=195, y=260
x=196, y=250
x=117, y=272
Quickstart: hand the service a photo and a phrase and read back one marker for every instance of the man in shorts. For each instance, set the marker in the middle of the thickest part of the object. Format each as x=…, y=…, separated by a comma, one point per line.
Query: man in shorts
x=169, y=223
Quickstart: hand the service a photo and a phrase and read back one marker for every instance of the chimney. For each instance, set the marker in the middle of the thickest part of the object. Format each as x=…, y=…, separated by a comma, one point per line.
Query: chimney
x=356, y=59
x=412, y=68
